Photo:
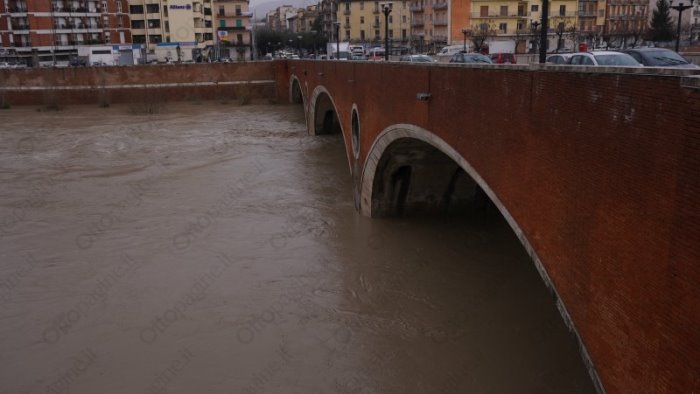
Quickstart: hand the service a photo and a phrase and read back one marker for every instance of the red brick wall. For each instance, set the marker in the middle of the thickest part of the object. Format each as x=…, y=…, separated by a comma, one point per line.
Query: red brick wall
x=93, y=78
x=600, y=171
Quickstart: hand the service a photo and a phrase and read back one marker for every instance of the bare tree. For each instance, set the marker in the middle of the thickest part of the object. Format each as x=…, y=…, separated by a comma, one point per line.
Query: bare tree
x=479, y=34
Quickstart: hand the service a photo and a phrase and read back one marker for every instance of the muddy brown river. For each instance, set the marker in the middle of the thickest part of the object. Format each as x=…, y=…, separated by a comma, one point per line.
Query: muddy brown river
x=215, y=248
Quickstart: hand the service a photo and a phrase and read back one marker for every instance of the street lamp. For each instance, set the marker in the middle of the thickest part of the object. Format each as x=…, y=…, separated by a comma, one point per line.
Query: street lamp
x=386, y=8
x=680, y=8
x=314, y=34
x=534, y=25
x=543, y=32
x=337, y=40
x=299, y=37
x=465, y=31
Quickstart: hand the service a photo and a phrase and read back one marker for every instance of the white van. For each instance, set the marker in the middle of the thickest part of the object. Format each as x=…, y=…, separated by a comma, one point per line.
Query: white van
x=446, y=53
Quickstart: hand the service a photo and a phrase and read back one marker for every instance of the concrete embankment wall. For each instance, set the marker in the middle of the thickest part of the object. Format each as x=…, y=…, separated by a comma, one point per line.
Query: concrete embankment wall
x=106, y=85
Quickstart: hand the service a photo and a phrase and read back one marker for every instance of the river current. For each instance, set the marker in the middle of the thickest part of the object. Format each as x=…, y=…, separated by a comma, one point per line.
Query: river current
x=215, y=248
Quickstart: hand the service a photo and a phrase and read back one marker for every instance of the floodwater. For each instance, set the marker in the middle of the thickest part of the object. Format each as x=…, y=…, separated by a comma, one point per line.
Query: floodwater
x=214, y=248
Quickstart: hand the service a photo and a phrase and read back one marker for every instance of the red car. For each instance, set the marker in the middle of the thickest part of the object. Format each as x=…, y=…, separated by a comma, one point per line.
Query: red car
x=503, y=58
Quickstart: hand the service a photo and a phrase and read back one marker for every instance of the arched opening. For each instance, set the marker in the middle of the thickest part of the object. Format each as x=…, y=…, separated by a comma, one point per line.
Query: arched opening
x=325, y=117
x=296, y=96
x=413, y=176
x=411, y=171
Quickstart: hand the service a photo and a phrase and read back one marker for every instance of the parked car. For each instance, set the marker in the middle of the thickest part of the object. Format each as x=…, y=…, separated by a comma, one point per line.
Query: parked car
x=559, y=58
x=659, y=57
x=471, y=58
x=503, y=58
x=376, y=54
x=358, y=56
x=417, y=59
x=603, y=58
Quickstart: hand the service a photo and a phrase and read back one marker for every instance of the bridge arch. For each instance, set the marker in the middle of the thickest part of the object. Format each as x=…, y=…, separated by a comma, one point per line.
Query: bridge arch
x=388, y=174
x=296, y=94
x=323, y=114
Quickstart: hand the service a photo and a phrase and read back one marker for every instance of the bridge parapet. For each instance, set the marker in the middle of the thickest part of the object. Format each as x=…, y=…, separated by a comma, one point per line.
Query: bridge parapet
x=596, y=170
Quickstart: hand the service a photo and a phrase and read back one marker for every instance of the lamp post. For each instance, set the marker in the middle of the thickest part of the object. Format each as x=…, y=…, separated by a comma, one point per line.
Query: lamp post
x=314, y=35
x=534, y=25
x=299, y=37
x=680, y=8
x=386, y=8
x=544, y=31
x=465, y=31
x=337, y=40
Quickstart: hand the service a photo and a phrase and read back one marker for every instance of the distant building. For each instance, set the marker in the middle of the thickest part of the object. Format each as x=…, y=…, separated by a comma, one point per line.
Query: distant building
x=329, y=16
x=277, y=18
x=50, y=31
x=363, y=22
x=188, y=22
x=233, y=21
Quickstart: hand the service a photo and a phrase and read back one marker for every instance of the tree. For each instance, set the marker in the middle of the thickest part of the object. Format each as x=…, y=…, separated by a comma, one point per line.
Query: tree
x=479, y=34
x=661, y=28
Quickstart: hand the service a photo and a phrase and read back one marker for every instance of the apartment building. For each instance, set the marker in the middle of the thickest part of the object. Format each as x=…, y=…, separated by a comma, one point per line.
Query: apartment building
x=625, y=21
x=50, y=31
x=303, y=20
x=364, y=21
x=429, y=23
x=189, y=23
x=233, y=24
x=329, y=16
x=277, y=18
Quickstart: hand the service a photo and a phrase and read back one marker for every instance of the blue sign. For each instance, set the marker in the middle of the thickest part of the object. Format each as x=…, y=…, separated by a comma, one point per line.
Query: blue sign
x=180, y=7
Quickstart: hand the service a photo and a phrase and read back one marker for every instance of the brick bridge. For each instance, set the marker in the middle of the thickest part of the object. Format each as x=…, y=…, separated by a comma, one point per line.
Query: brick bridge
x=597, y=172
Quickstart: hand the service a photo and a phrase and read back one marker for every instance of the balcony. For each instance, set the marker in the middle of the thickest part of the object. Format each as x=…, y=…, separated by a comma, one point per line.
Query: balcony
x=498, y=15
x=417, y=23
x=376, y=10
x=346, y=12
x=376, y=25
x=587, y=14
x=346, y=25
x=24, y=44
x=442, y=22
x=439, y=6
x=417, y=8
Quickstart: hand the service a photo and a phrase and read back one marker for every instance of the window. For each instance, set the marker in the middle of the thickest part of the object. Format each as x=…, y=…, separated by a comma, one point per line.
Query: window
x=403, y=34
x=152, y=8
x=362, y=35
x=238, y=10
x=362, y=20
x=391, y=34
x=347, y=35
x=362, y=5
x=119, y=6
x=153, y=23
x=121, y=21
x=376, y=33
x=239, y=23
x=347, y=6
x=347, y=20
x=403, y=4
x=503, y=27
x=391, y=19
x=376, y=21
x=403, y=19
x=222, y=12
x=104, y=6
x=222, y=23
x=562, y=10
x=136, y=9
x=535, y=8
x=137, y=24
x=504, y=10
x=239, y=38
x=484, y=11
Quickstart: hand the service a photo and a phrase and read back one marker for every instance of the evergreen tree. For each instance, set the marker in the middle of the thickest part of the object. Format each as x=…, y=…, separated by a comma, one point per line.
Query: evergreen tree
x=661, y=28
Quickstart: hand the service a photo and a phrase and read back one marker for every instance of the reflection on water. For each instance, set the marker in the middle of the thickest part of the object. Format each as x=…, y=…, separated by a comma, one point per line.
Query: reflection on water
x=215, y=249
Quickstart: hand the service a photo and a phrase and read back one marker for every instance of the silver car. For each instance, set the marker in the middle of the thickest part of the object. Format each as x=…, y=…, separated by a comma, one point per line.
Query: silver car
x=603, y=58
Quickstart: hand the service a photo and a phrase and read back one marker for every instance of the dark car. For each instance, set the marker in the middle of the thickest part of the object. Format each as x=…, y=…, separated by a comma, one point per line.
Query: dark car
x=503, y=58
x=659, y=57
x=470, y=58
